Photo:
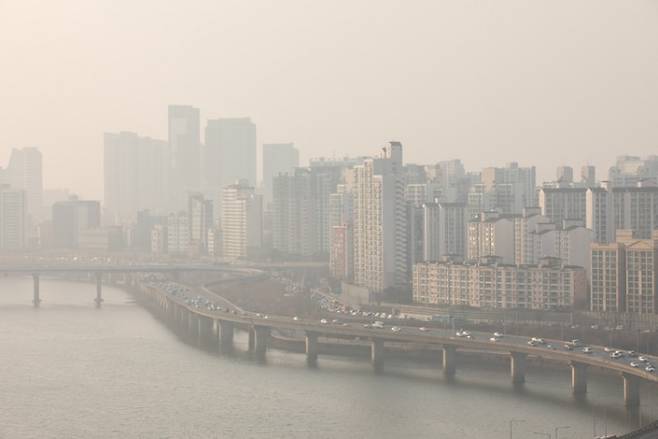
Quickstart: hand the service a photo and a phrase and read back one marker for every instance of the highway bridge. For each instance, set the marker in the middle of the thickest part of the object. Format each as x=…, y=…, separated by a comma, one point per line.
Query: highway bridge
x=216, y=328
x=105, y=269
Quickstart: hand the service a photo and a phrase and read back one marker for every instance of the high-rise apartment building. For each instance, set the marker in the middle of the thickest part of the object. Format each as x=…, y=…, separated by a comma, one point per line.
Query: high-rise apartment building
x=135, y=175
x=178, y=233
x=293, y=228
x=522, y=183
x=242, y=221
x=201, y=219
x=13, y=218
x=380, y=229
x=278, y=158
x=614, y=208
x=72, y=217
x=230, y=152
x=624, y=275
x=444, y=230
x=491, y=234
x=563, y=203
x=588, y=176
x=550, y=285
x=184, y=152
x=631, y=170
x=25, y=172
x=564, y=174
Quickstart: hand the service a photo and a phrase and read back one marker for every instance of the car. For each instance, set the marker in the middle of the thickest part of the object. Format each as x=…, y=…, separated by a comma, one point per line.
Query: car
x=498, y=335
x=396, y=329
x=650, y=369
x=635, y=364
x=494, y=339
x=576, y=342
x=324, y=321
x=423, y=329
x=533, y=343
x=538, y=340
x=568, y=346
x=378, y=324
x=463, y=333
x=587, y=350
x=296, y=318
x=607, y=349
x=643, y=359
x=616, y=355
x=632, y=354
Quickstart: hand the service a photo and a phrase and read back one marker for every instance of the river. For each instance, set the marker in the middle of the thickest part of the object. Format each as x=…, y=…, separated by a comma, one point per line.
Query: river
x=69, y=370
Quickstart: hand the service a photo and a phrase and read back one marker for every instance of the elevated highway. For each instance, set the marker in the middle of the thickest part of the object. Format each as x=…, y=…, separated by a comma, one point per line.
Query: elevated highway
x=216, y=327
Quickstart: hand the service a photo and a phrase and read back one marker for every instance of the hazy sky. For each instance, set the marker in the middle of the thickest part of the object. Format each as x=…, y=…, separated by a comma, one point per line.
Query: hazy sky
x=545, y=82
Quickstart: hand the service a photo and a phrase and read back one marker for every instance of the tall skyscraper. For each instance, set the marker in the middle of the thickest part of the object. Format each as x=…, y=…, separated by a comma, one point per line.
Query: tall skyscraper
x=230, y=152
x=380, y=229
x=13, y=212
x=242, y=221
x=278, y=158
x=184, y=152
x=25, y=172
x=135, y=175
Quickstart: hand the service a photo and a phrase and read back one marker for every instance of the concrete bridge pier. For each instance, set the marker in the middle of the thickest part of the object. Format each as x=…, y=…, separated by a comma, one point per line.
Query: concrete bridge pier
x=206, y=332
x=192, y=325
x=251, y=346
x=261, y=342
x=99, y=289
x=36, y=299
x=518, y=367
x=631, y=391
x=311, y=349
x=377, y=354
x=226, y=330
x=578, y=379
x=449, y=360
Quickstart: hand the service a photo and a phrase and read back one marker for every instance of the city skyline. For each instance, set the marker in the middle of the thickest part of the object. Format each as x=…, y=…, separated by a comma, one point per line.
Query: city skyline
x=537, y=99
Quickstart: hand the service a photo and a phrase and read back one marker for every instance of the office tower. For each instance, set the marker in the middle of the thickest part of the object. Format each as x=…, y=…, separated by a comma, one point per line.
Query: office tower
x=25, y=172
x=242, y=221
x=631, y=170
x=522, y=185
x=72, y=217
x=278, y=158
x=178, y=233
x=380, y=247
x=588, y=176
x=13, y=213
x=564, y=174
x=201, y=219
x=229, y=152
x=184, y=152
x=293, y=228
x=563, y=203
x=611, y=208
x=491, y=234
x=548, y=285
x=135, y=175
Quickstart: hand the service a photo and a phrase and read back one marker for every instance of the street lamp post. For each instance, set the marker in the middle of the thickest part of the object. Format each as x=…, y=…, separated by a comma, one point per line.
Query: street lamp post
x=513, y=422
x=557, y=430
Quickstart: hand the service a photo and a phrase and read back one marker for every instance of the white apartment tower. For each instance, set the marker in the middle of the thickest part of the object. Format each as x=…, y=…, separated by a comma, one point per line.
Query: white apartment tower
x=380, y=247
x=242, y=221
x=13, y=208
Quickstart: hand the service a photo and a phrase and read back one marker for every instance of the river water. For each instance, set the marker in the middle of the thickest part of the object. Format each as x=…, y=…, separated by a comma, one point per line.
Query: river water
x=68, y=370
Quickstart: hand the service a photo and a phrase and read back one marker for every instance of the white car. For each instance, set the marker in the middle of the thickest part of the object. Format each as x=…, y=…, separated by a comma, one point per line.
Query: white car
x=616, y=355
x=463, y=333
x=494, y=339
x=643, y=359
x=396, y=329
x=423, y=329
x=498, y=334
x=650, y=369
x=538, y=340
x=607, y=349
x=587, y=350
x=635, y=364
x=296, y=318
x=324, y=321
